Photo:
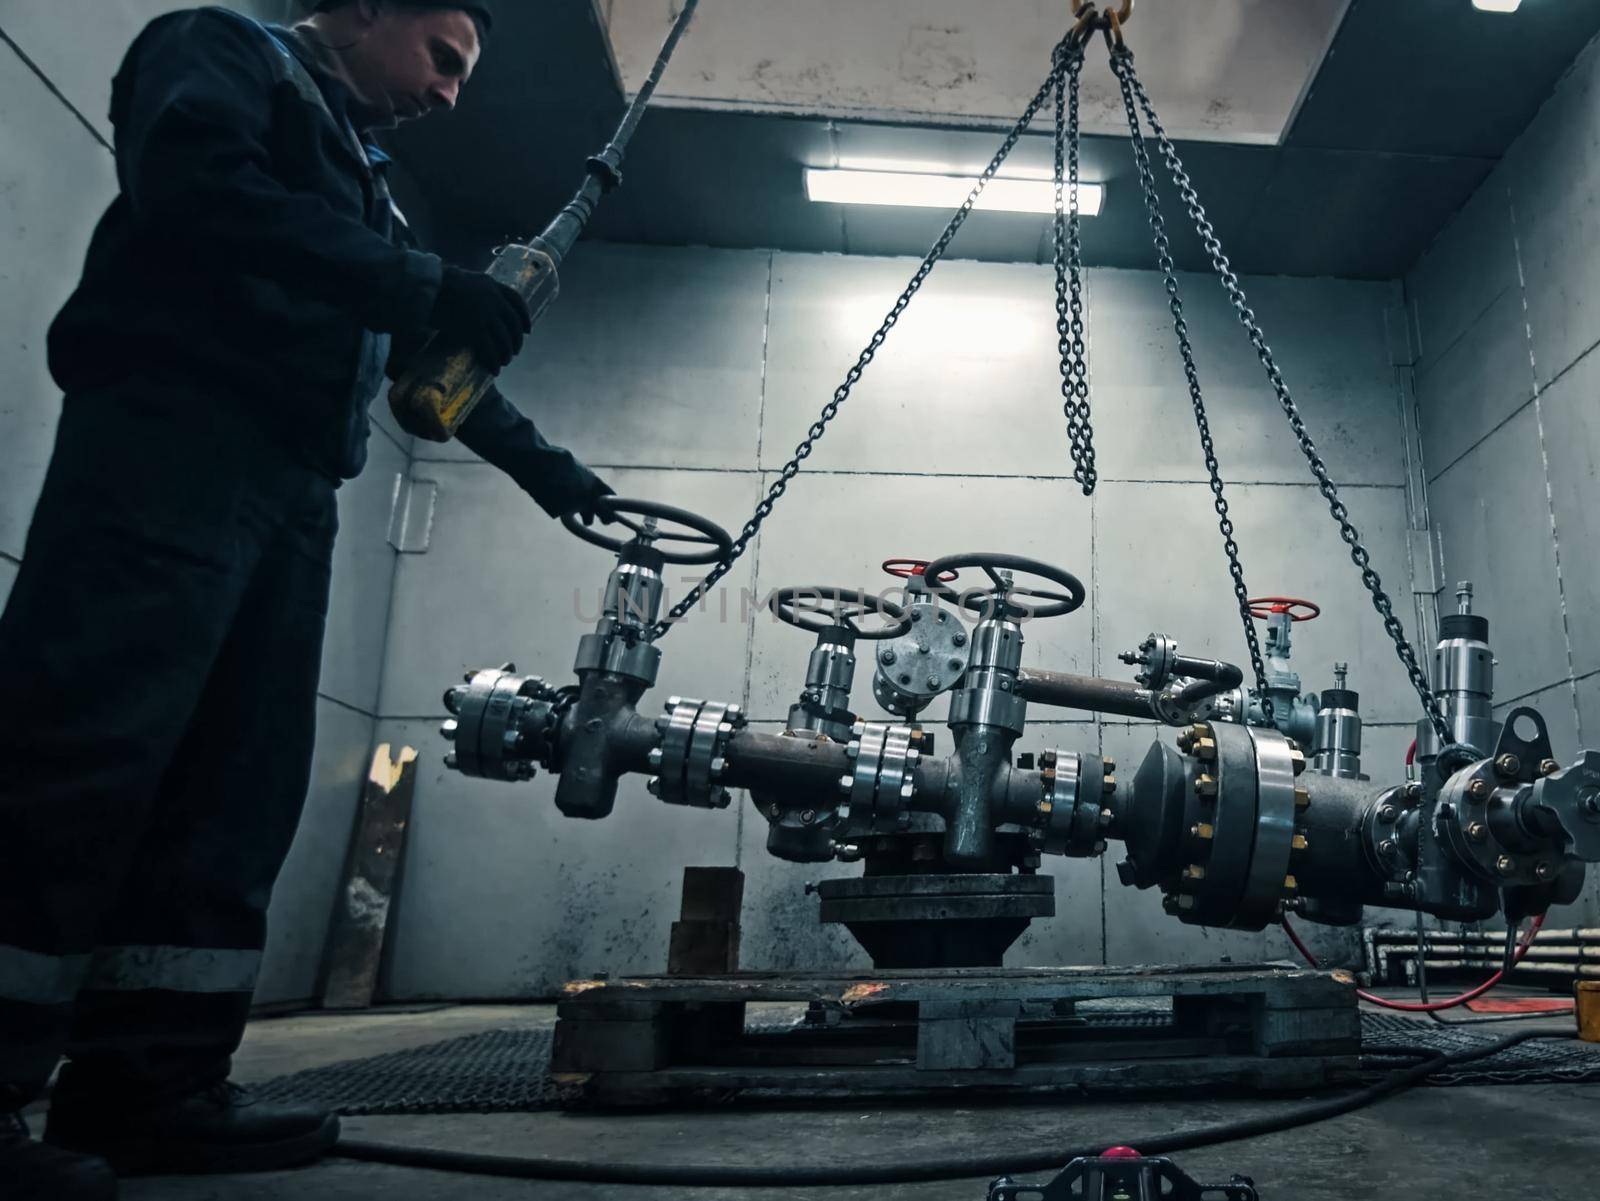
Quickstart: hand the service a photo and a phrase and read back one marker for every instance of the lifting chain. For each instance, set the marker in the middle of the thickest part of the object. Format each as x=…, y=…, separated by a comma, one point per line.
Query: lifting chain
x=842, y=394
x=1122, y=65
x=1069, y=269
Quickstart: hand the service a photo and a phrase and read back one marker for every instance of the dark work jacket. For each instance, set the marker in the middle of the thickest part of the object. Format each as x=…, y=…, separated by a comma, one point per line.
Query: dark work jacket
x=255, y=260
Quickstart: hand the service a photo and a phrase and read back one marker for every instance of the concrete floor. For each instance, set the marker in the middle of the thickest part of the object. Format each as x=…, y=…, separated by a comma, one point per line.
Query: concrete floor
x=1537, y=1141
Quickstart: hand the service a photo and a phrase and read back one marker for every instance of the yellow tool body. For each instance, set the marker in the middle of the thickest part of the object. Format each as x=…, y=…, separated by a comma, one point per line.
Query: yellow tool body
x=443, y=386
x=445, y=383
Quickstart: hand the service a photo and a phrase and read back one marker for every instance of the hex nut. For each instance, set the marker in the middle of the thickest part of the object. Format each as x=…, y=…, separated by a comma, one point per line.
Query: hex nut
x=1478, y=790
x=1477, y=831
x=1508, y=765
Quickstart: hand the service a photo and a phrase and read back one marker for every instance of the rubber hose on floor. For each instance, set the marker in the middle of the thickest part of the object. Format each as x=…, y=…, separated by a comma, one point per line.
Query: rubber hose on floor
x=988, y=1163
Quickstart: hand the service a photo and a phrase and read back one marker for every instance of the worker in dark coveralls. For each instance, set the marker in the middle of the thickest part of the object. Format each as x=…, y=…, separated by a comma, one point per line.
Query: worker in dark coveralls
x=160, y=650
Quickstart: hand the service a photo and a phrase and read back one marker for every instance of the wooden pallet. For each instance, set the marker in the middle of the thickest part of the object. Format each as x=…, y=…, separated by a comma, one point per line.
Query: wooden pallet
x=659, y=1039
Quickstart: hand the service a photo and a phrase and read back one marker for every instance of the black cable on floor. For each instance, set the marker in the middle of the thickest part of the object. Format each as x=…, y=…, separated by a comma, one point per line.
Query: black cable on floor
x=985, y=1163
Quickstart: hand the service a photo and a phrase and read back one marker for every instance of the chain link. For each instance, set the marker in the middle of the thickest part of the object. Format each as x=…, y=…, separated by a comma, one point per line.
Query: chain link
x=1122, y=64
x=1069, y=272
x=1122, y=67
x=842, y=393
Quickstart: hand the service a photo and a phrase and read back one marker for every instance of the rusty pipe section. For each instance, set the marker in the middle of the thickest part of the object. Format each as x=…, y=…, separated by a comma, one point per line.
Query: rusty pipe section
x=1091, y=693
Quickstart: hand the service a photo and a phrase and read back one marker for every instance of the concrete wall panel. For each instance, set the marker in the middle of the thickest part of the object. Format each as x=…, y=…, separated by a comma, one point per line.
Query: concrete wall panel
x=1570, y=411
x=1159, y=566
x=1468, y=267
x=1477, y=384
x=1588, y=695
x=505, y=897
x=837, y=530
x=651, y=357
x=1329, y=341
x=502, y=581
x=1553, y=171
x=966, y=383
x=1493, y=519
x=45, y=220
x=8, y=576
x=81, y=62
x=302, y=902
x=363, y=581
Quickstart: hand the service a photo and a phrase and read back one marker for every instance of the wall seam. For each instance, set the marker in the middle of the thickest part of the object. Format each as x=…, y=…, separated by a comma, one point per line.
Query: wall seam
x=1517, y=412
x=755, y=550
x=1544, y=459
x=1461, y=337
x=356, y=709
x=56, y=92
x=1043, y=477
x=10, y=558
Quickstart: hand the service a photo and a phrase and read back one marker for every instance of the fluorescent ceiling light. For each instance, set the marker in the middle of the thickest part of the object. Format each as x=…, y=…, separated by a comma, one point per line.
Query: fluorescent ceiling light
x=1497, y=6
x=915, y=190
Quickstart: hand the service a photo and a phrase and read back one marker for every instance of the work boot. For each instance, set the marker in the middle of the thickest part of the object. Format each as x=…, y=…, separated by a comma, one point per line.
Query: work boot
x=36, y=1172
x=220, y=1128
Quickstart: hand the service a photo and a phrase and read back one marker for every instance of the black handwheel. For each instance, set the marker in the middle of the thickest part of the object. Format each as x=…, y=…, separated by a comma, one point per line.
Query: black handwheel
x=996, y=599
x=618, y=510
x=826, y=608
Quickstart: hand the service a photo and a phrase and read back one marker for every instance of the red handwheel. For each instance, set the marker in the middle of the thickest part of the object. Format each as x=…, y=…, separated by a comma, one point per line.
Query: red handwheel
x=904, y=569
x=1264, y=608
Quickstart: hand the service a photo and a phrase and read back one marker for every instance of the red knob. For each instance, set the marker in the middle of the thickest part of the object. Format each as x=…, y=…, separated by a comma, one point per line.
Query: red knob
x=1120, y=1153
x=1264, y=607
x=904, y=569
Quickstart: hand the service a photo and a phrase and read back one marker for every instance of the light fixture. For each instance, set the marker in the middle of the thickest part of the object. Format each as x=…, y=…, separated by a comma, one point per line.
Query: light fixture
x=1496, y=6
x=909, y=189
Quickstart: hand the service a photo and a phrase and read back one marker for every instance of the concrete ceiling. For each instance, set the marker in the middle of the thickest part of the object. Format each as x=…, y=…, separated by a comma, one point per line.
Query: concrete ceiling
x=1230, y=70
x=1405, y=116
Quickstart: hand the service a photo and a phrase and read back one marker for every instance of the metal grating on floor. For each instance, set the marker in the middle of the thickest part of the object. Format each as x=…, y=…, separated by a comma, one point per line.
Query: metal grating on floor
x=508, y=1071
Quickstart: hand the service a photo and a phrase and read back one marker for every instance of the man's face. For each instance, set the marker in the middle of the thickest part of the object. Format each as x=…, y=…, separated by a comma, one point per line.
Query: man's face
x=412, y=61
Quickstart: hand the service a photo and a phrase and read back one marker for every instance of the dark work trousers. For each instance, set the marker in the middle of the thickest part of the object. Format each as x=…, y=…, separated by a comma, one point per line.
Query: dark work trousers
x=158, y=671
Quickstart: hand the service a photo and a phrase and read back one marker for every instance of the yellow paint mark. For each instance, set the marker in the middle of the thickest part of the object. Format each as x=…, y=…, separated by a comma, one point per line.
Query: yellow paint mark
x=574, y=987
x=863, y=992
x=386, y=772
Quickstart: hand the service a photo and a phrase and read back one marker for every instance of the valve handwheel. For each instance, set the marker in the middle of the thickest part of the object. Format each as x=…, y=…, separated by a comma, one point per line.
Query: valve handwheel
x=998, y=598
x=1265, y=608
x=817, y=609
x=618, y=510
x=905, y=569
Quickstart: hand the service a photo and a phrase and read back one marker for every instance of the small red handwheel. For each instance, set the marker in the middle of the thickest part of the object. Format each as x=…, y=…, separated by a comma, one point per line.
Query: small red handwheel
x=904, y=569
x=1263, y=608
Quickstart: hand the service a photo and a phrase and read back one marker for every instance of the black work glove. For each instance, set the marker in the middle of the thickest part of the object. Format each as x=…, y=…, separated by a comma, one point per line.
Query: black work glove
x=595, y=490
x=483, y=315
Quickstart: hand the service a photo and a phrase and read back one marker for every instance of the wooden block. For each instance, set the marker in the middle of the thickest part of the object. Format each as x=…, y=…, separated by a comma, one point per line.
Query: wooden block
x=703, y=948
x=712, y=894
x=355, y=942
x=705, y=939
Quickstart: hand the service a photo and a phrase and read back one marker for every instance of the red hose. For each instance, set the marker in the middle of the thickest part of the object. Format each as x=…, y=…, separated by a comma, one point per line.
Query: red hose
x=1411, y=753
x=1430, y=1006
